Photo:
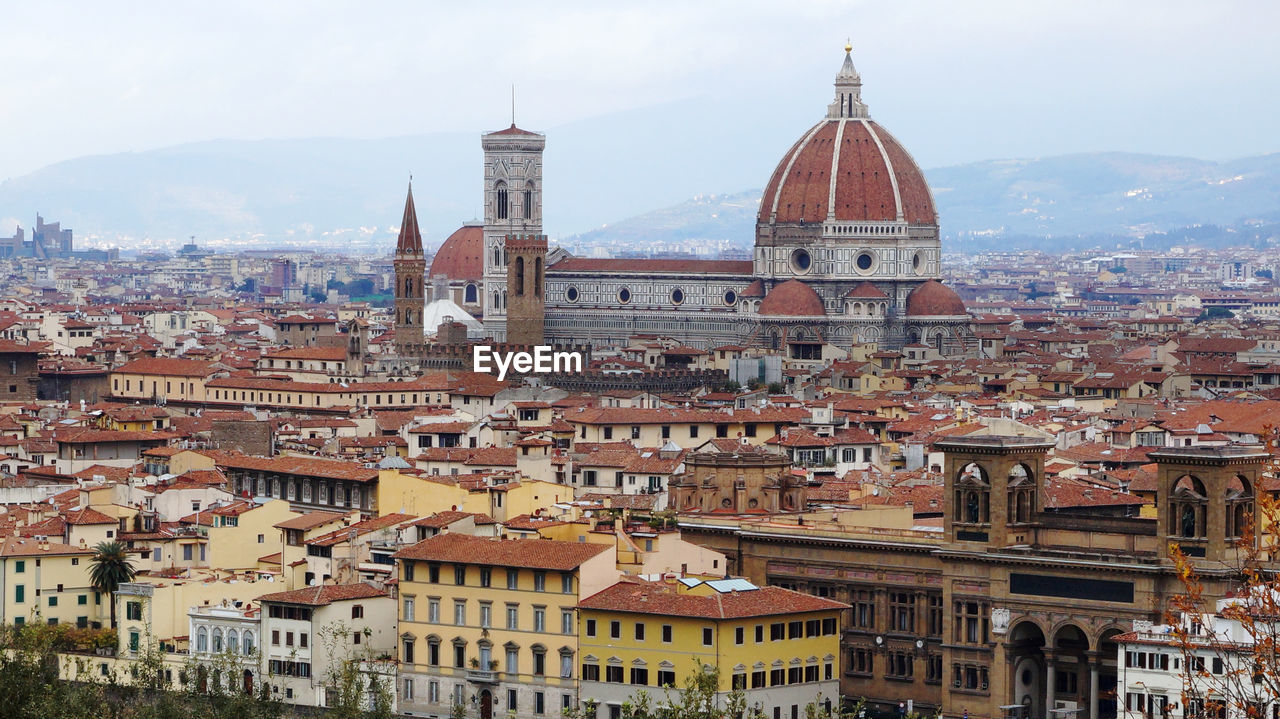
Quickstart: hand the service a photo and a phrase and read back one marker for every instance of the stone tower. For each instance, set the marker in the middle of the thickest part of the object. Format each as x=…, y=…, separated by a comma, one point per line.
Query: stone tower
x=512, y=206
x=411, y=268
x=994, y=488
x=526, y=285
x=1205, y=497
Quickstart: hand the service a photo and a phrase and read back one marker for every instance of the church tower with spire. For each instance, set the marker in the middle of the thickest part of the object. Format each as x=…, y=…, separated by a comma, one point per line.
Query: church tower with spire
x=411, y=268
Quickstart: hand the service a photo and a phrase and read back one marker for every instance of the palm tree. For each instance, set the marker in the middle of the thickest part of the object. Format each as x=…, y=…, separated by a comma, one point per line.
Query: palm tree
x=111, y=567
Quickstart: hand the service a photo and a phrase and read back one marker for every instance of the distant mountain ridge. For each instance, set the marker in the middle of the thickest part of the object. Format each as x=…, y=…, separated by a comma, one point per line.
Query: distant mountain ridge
x=347, y=193
x=1085, y=196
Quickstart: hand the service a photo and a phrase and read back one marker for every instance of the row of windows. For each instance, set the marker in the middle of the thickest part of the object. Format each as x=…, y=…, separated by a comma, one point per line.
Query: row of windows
x=759, y=679
x=484, y=659
x=484, y=575
x=286, y=611
x=624, y=296
x=902, y=612
x=511, y=615
x=231, y=642
x=286, y=398
x=897, y=664
x=81, y=622
x=778, y=631
x=750, y=429
x=284, y=668
x=336, y=494
x=20, y=596
x=303, y=639
x=458, y=695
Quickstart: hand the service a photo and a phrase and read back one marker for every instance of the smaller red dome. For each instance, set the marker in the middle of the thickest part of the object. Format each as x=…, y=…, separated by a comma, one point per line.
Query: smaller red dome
x=866, y=290
x=934, y=299
x=793, y=298
x=461, y=257
x=755, y=289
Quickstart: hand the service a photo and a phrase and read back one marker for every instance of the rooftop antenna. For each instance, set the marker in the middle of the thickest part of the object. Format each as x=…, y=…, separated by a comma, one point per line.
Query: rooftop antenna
x=513, y=104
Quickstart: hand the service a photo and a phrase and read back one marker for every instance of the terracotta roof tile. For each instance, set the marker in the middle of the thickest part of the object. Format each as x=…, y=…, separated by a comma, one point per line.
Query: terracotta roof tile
x=323, y=595
x=662, y=598
x=523, y=553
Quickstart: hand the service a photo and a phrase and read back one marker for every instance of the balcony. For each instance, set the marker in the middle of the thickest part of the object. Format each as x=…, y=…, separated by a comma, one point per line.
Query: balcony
x=482, y=676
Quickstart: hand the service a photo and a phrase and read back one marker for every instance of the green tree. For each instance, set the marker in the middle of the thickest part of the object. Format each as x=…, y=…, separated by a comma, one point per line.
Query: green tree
x=357, y=685
x=110, y=568
x=1215, y=313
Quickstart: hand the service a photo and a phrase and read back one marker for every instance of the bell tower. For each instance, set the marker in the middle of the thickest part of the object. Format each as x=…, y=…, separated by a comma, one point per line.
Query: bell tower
x=411, y=268
x=512, y=207
x=526, y=308
x=994, y=488
x=1205, y=498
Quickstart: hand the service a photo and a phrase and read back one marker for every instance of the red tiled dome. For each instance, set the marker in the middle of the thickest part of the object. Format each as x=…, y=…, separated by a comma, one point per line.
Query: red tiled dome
x=933, y=299
x=461, y=257
x=755, y=289
x=802, y=184
x=793, y=298
x=866, y=290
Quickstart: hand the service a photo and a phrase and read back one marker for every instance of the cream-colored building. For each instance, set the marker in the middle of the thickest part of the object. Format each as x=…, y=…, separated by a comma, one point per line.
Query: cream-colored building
x=306, y=631
x=47, y=582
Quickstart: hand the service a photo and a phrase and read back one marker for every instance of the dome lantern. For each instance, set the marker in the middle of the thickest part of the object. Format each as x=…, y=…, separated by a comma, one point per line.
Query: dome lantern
x=848, y=101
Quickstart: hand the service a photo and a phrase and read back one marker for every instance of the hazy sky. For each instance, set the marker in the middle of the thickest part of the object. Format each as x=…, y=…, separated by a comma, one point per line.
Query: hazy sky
x=957, y=81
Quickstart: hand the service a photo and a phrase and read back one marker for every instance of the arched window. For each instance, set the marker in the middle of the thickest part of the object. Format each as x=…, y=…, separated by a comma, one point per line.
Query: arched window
x=248, y=642
x=501, y=187
x=972, y=496
x=1021, y=494
x=408, y=287
x=202, y=639
x=233, y=641
x=519, y=277
x=528, y=201
x=469, y=295
x=1187, y=508
x=1238, y=506
x=217, y=641
x=537, y=277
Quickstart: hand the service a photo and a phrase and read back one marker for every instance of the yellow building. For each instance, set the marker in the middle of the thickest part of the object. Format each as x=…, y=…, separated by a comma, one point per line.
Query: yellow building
x=47, y=582
x=153, y=378
x=192, y=382
x=685, y=427
x=779, y=647
x=493, y=621
x=242, y=532
x=500, y=496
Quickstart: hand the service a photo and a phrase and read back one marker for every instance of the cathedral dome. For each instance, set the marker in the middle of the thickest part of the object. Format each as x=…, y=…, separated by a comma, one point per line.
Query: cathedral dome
x=847, y=168
x=934, y=299
x=792, y=298
x=461, y=257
